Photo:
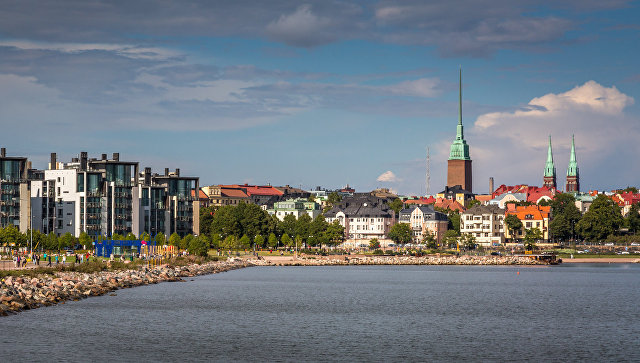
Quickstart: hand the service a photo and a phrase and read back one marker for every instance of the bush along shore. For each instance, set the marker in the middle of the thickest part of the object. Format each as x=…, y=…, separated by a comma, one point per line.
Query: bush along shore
x=398, y=260
x=32, y=291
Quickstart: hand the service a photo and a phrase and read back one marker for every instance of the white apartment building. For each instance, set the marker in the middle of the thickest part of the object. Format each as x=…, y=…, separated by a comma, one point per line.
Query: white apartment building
x=485, y=223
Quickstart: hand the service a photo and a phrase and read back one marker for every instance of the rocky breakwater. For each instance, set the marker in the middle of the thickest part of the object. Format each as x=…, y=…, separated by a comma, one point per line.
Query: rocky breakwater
x=21, y=293
x=402, y=260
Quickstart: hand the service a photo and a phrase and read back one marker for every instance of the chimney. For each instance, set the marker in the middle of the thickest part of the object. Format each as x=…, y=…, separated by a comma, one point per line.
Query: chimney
x=166, y=171
x=54, y=163
x=116, y=156
x=491, y=185
x=104, y=156
x=177, y=172
x=83, y=160
x=29, y=164
x=3, y=152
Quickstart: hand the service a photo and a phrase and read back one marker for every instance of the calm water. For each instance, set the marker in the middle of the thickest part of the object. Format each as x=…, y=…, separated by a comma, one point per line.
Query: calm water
x=364, y=313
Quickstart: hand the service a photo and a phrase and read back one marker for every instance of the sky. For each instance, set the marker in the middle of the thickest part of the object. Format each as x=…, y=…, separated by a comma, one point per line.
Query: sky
x=326, y=93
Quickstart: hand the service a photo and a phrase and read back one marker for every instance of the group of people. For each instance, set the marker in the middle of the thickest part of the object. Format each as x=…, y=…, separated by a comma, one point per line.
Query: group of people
x=20, y=260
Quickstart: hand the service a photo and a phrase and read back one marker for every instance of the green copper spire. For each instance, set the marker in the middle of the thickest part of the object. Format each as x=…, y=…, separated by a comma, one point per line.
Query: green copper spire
x=549, y=168
x=572, y=170
x=459, y=148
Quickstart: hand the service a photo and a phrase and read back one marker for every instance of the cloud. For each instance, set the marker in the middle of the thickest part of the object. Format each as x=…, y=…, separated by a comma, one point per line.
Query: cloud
x=388, y=177
x=512, y=145
x=302, y=28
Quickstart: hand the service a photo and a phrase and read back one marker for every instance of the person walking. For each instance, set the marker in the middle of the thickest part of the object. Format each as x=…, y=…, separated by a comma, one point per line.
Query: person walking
x=57, y=259
x=49, y=264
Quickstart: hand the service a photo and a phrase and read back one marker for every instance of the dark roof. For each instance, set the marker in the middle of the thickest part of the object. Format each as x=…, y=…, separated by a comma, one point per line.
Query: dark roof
x=456, y=189
x=361, y=206
x=426, y=209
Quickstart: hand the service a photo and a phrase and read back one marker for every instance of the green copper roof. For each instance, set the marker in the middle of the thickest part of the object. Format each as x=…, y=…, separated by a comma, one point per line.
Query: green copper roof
x=459, y=148
x=572, y=170
x=549, y=168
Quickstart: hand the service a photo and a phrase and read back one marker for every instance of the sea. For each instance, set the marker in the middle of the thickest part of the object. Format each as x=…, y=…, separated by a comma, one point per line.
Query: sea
x=570, y=312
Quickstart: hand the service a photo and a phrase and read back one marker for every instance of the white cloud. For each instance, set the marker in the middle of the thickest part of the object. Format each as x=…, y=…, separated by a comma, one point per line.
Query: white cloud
x=423, y=87
x=512, y=145
x=388, y=177
x=301, y=28
x=125, y=50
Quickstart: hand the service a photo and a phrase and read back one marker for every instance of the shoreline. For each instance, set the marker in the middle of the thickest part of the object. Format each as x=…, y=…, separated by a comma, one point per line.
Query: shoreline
x=19, y=293
x=602, y=260
x=394, y=260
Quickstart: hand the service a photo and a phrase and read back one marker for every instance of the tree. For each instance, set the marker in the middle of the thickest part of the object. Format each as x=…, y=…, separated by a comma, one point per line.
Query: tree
x=174, y=240
x=273, y=240
x=468, y=241
x=633, y=219
x=334, y=235
x=230, y=242
x=286, y=240
x=198, y=246
x=565, y=216
x=288, y=225
x=259, y=241
x=333, y=198
x=84, y=239
x=215, y=241
x=513, y=224
x=145, y=236
x=303, y=225
x=450, y=238
x=117, y=237
x=401, y=233
x=429, y=239
x=184, y=243
x=454, y=221
x=396, y=205
x=245, y=241
x=602, y=219
x=11, y=235
x=160, y=239
x=374, y=244
x=206, y=218
x=51, y=241
x=472, y=203
x=65, y=241
x=531, y=236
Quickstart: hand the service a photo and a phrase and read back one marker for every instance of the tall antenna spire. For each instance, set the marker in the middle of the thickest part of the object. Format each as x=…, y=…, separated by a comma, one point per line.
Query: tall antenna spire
x=428, y=172
x=460, y=99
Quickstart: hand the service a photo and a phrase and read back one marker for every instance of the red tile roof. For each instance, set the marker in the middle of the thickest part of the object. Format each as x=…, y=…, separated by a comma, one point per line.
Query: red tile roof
x=232, y=193
x=537, y=212
x=449, y=204
x=421, y=201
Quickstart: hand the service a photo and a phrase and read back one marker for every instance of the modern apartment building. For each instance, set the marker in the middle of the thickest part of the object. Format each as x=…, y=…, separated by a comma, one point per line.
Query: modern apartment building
x=485, y=223
x=14, y=191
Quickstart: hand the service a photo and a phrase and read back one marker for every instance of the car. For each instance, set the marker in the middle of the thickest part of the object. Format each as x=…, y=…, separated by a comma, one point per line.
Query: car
x=69, y=252
x=609, y=244
x=636, y=251
x=635, y=244
x=580, y=251
x=624, y=252
x=496, y=254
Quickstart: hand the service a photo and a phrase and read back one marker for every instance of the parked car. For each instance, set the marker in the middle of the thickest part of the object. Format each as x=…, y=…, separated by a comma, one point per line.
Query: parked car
x=69, y=252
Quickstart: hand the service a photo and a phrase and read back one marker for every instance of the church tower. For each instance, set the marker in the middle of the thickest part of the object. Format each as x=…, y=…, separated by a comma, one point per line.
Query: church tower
x=459, y=165
x=549, y=179
x=573, y=173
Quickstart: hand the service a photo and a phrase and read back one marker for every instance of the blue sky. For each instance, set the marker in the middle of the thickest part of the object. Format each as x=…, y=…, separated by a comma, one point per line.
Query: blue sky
x=325, y=93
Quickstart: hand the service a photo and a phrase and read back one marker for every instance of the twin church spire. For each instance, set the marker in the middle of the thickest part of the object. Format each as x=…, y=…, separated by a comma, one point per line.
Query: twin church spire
x=573, y=177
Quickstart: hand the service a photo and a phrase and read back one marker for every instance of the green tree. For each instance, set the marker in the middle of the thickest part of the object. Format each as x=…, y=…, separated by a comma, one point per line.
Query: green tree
x=84, y=239
x=51, y=241
x=286, y=240
x=602, y=219
x=198, y=246
x=429, y=239
x=396, y=205
x=65, y=241
x=472, y=203
x=633, y=219
x=11, y=235
x=273, y=240
x=468, y=241
x=130, y=237
x=206, y=218
x=160, y=239
x=334, y=234
x=454, y=220
x=216, y=242
x=531, y=236
x=117, y=237
x=184, y=243
x=288, y=225
x=401, y=233
x=245, y=241
x=259, y=241
x=514, y=224
x=450, y=238
x=565, y=216
x=230, y=242
x=333, y=198
x=303, y=227
x=174, y=240
x=145, y=237
x=374, y=244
